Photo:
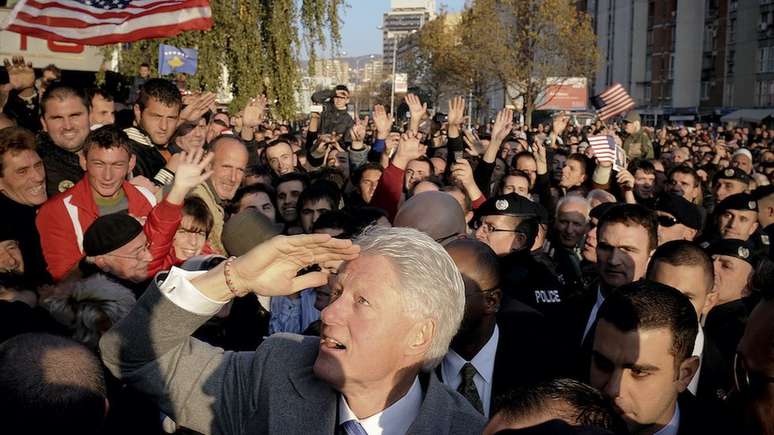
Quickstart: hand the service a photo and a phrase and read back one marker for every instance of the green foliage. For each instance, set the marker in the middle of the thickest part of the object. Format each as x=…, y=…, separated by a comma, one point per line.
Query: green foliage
x=257, y=41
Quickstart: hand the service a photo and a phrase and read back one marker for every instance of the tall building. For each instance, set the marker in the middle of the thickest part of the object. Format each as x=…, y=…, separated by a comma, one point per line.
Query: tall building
x=686, y=58
x=404, y=17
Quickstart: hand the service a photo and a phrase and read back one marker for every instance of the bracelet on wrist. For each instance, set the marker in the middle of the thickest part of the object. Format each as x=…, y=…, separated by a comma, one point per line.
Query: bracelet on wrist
x=227, y=273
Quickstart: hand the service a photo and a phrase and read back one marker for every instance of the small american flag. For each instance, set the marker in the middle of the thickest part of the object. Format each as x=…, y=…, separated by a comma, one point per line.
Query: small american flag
x=604, y=147
x=612, y=101
x=100, y=22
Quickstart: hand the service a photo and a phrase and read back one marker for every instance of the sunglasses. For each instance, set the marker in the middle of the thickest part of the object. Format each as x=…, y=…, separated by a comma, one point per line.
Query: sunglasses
x=667, y=221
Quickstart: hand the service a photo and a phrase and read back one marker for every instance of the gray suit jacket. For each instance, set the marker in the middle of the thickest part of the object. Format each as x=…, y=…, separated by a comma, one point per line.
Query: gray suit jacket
x=270, y=391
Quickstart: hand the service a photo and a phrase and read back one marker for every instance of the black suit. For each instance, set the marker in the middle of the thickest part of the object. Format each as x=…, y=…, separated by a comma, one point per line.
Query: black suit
x=699, y=417
x=715, y=379
x=523, y=354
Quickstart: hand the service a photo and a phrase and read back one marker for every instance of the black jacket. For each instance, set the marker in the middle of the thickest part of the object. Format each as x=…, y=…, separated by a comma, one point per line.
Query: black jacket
x=19, y=224
x=63, y=168
x=26, y=114
x=331, y=118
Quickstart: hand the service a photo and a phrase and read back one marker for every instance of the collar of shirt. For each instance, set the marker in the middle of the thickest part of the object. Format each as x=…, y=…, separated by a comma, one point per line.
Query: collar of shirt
x=698, y=349
x=395, y=420
x=674, y=424
x=594, y=311
x=483, y=362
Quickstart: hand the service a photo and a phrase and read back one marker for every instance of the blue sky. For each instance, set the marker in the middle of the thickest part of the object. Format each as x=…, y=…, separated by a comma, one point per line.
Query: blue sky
x=360, y=35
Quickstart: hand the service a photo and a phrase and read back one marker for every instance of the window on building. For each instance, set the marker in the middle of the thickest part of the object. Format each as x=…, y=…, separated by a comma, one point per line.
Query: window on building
x=732, y=30
x=671, y=69
x=648, y=67
x=705, y=91
x=646, y=93
x=728, y=94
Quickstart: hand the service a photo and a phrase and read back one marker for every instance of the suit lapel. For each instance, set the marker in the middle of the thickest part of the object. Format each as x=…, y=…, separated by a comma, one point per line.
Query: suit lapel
x=313, y=398
x=435, y=408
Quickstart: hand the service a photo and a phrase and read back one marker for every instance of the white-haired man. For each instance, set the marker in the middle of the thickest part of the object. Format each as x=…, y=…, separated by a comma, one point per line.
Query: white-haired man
x=390, y=320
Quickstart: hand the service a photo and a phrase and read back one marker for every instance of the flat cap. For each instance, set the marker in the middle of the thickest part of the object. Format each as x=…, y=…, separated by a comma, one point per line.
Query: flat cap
x=511, y=204
x=246, y=230
x=731, y=174
x=736, y=248
x=738, y=201
x=686, y=212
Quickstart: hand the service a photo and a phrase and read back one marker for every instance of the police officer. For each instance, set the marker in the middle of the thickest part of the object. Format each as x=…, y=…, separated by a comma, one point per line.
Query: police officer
x=728, y=182
x=737, y=217
x=734, y=263
x=509, y=224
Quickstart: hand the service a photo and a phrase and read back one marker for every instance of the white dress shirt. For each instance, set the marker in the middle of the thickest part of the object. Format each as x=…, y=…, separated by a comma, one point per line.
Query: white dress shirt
x=395, y=420
x=698, y=349
x=484, y=364
x=177, y=288
x=593, y=314
x=674, y=424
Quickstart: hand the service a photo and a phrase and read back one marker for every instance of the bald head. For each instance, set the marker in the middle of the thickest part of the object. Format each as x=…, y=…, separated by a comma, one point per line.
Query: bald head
x=476, y=260
x=436, y=214
x=51, y=384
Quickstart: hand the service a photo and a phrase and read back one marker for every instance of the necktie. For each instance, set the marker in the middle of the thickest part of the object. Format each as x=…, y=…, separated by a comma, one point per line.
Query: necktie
x=353, y=427
x=468, y=388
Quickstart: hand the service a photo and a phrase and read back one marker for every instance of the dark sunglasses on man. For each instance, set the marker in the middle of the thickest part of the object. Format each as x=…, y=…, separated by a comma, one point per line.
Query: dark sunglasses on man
x=667, y=221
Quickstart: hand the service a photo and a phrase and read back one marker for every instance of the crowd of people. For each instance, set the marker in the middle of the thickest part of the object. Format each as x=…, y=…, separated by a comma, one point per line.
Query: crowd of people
x=168, y=266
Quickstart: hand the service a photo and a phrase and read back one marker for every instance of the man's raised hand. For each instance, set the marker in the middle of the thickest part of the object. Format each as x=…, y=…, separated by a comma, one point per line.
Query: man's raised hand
x=192, y=171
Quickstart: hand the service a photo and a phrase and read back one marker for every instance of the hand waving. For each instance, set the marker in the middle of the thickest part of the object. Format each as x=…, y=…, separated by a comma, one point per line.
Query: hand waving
x=191, y=172
x=199, y=105
x=456, y=111
x=21, y=76
x=382, y=121
x=254, y=112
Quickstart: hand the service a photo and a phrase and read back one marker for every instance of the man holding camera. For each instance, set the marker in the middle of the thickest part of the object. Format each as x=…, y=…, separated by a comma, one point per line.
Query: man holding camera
x=334, y=117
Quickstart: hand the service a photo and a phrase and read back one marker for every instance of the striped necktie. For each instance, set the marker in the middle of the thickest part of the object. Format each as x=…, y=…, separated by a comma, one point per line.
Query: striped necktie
x=353, y=427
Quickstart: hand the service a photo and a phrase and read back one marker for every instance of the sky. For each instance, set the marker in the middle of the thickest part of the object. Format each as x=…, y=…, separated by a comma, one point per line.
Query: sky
x=360, y=34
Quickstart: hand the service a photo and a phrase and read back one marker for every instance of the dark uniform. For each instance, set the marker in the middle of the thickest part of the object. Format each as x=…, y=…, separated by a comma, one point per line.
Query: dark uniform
x=725, y=323
x=523, y=277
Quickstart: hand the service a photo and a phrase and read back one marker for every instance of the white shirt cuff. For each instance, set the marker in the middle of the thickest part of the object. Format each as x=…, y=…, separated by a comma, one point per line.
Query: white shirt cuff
x=178, y=289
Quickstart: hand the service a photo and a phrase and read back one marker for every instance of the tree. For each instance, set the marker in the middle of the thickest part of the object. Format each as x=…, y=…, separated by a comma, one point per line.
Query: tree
x=256, y=41
x=528, y=45
x=442, y=66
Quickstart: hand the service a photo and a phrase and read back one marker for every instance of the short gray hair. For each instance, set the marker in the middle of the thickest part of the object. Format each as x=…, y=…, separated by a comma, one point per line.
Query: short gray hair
x=578, y=199
x=89, y=307
x=430, y=284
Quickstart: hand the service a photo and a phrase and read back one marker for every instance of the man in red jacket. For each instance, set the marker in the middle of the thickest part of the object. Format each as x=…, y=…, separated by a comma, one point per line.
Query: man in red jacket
x=64, y=219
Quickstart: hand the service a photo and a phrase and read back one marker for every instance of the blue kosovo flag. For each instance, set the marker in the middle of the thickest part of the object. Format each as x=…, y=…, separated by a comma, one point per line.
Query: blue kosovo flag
x=174, y=60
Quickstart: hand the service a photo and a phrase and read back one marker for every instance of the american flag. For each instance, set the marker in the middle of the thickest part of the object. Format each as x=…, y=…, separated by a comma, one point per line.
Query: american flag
x=612, y=101
x=100, y=22
x=604, y=147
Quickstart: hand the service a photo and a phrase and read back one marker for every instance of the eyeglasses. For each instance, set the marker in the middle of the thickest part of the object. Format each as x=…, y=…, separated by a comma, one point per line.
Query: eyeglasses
x=667, y=221
x=746, y=380
x=135, y=255
x=489, y=228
